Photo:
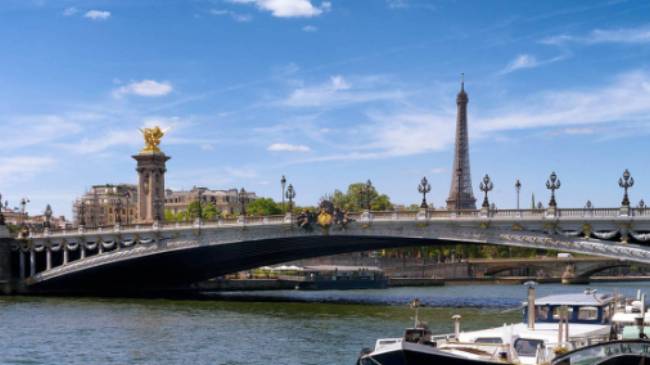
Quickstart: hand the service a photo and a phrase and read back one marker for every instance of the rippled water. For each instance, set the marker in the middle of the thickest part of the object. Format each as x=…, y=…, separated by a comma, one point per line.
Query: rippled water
x=285, y=327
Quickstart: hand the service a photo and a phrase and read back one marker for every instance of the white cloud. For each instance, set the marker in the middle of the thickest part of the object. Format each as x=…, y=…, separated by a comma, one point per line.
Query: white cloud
x=241, y=172
x=397, y=4
x=104, y=142
x=70, y=11
x=20, y=168
x=97, y=14
x=289, y=8
x=339, y=91
x=285, y=147
x=525, y=61
x=309, y=28
x=623, y=105
x=521, y=61
x=625, y=99
x=622, y=35
x=238, y=17
x=32, y=130
x=149, y=88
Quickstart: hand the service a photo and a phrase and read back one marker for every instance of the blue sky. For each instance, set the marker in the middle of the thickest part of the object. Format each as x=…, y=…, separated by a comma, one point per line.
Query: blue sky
x=327, y=93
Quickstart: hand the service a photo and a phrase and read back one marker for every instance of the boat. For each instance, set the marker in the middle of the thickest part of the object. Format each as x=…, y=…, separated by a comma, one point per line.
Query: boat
x=564, y=329
x=331, y=277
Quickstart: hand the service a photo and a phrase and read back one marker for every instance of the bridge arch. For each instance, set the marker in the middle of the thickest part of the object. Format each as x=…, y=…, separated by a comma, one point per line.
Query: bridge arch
x=163, y=257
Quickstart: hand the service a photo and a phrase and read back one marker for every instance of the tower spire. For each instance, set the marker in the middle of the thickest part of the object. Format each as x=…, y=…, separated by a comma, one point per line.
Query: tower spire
x=461, y=195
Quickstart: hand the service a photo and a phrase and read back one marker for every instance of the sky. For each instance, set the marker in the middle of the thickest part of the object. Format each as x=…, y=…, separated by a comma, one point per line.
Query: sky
x=327, y=93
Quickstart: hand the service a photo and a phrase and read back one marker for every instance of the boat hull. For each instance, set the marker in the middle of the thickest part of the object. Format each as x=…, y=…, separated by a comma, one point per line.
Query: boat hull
x=414, y=354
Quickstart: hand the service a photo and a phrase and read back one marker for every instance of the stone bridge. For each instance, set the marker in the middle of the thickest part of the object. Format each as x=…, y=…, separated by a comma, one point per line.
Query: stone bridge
x=138, y=259
x=584, y=267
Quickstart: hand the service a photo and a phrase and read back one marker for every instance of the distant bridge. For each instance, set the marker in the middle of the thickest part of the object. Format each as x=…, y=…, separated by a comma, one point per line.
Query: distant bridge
x=160, y=257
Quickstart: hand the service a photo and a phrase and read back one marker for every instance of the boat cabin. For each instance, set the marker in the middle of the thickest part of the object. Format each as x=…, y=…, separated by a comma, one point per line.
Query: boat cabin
x=587, y=308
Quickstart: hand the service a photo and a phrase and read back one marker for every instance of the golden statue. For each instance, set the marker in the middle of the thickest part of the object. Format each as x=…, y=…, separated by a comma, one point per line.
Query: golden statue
x=152, y=138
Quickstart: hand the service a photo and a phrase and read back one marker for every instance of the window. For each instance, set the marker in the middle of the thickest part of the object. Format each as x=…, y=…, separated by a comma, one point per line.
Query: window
x=528, y=347
x=489, y=340
x=541, y=313
x=588, y=313
x=556, y=313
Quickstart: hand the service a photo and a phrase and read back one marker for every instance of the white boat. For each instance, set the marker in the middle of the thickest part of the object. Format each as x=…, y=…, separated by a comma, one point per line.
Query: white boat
x=564, y=329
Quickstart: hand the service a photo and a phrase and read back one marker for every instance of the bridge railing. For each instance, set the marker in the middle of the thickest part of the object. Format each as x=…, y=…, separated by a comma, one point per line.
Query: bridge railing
x=403, y=215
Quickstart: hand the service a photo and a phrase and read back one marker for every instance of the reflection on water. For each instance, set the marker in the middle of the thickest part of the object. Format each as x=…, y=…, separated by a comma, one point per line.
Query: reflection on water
x=287, y=327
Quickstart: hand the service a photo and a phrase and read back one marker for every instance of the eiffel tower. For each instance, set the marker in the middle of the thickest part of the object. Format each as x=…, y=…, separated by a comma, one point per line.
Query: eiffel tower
x=461, y=195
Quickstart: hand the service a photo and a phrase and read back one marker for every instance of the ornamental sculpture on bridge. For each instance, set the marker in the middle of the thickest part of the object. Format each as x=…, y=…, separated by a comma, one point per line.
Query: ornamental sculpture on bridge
x=152, y=137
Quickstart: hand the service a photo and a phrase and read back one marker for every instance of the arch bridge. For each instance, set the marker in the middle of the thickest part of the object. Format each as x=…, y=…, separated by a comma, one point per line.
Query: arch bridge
x=138, y=259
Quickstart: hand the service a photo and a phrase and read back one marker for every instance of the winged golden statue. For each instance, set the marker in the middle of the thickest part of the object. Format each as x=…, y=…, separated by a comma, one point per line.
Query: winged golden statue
x=152, y=137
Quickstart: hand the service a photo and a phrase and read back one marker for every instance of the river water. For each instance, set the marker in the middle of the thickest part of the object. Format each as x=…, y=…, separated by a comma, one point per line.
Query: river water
x=282, y=327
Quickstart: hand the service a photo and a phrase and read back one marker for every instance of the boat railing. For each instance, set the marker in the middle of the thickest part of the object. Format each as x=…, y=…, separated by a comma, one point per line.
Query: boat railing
x=602, y=350
x=492, y=351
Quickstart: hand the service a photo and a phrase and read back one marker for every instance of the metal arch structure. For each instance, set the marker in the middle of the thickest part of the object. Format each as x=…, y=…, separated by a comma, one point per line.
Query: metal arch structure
x=161, y=257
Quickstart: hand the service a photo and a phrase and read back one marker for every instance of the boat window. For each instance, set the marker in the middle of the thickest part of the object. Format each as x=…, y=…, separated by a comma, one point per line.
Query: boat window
x=528, y=347
x=541, y=313
x=587, y=313
x=556, y=313
x=488, y=340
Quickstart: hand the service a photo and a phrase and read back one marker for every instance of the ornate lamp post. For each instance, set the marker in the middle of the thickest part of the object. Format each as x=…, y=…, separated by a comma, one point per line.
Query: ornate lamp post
x=48, y=216
x=82, y=213
x=127, y=197
x=518, y=189
x=200, y=200
x=290, y=194
x=552, y=184
x=365, y=191
x=242, y=202
x=459, y=174
x=2, y=217
x=23, y=213
x=118, y=211
x=424, y=188
x=283, y=183
x=486, y=186
x=626, y=182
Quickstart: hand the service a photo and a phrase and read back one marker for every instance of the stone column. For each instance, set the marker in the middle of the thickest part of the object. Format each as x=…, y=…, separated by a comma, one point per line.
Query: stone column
x=32, y=262
x=48, y=258
x=65, y=253
x=151, y=186
x=21, y=263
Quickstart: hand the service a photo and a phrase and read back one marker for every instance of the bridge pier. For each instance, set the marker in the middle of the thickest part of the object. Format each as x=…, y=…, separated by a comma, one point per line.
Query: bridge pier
x=5, y=261
x=21, y=264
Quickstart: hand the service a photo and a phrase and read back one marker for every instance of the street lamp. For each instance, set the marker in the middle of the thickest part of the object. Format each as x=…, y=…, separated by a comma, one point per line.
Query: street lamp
x=242, y=202
x=23, y=214
x=626, y=182
x=127, y=196
x=518, y=189
x=200, y=199
x=290, y=194
x=552, y=184
x=283, y=183
x=366, y=189
x=486, y=186
x=118, y=211
x=81, y=213
x=2, y=217
x=424, y=188
x=48, y=216
x=459, y=174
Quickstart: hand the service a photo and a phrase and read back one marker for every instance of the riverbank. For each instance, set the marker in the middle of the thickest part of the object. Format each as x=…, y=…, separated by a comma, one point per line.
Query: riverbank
x=282, y=284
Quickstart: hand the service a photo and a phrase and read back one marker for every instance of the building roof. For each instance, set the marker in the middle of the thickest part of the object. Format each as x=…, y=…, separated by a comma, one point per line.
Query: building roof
x=595, y=299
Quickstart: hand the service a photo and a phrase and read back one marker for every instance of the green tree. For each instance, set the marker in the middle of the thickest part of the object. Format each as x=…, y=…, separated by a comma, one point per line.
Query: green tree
x=355, y=198
x=169, y=216
x=210, y=211
x=263, y=207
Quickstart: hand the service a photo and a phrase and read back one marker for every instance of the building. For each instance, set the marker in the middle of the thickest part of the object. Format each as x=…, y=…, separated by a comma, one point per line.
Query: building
x=226, y=201
x=461, y=195
x=106, y=205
